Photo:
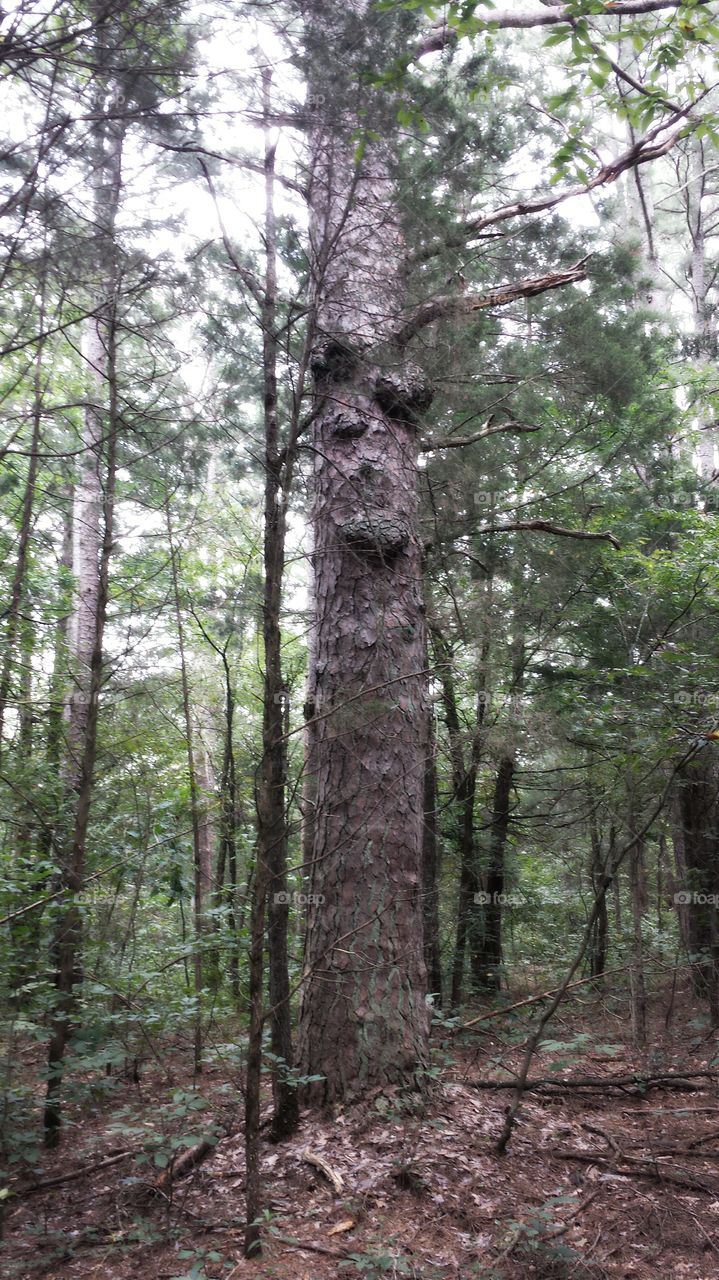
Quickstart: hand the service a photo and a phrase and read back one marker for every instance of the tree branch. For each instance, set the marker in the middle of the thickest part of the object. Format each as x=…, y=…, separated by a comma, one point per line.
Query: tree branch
x=246, y=276
x=238, y=161
x=442, y=34
x=641, y=151
x=458, y=442
x=459, y=304
x=546, y=526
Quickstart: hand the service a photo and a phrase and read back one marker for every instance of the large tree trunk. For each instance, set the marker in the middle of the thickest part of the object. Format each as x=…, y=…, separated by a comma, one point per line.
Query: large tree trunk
x=364, y=1019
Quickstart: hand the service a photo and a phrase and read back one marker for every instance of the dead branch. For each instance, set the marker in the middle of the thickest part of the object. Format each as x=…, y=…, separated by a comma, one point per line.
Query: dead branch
x=464, y=304
x=635, y=1084
x=311, y=1248
x=640, y=1168
x=704, y=1137
x=185, y=1163
x=546, y=526
x=544, y=995
x=319, y=1162
x=601, y=1133
x=459, y=442
x=87, y=1171
x=640, y=152
x=563, y=1226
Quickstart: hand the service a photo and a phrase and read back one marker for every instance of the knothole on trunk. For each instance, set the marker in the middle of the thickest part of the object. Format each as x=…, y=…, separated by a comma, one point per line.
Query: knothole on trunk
x=380, y=537
x=332, y=362
x=403, y=394
x=348, y=425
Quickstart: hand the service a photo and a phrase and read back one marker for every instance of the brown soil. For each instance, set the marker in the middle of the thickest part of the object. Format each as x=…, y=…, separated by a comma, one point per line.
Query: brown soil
x=605, y=1182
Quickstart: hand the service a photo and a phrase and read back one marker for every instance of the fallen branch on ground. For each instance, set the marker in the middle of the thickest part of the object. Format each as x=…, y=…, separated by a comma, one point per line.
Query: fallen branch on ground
x=635, y=1083
x=319, y=1162
x=311, y=1248
x=187, y=1161
x=641, y=1168
x=87, y=1171
x=545, y=995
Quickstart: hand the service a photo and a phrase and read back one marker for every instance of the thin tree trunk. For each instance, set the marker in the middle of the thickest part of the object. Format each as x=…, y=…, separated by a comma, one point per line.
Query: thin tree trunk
x=430, y=874
x=93, y=523
x=270, y=899
x=491, y=957
x=696, y=846
x=464, y=785
x=227, y=858
x=198, y=851
x=60, y=655
x=637, y=980
x=272, y=829
x=17, y=590
x=487, y=959
x=599, y=941
x=93, y=587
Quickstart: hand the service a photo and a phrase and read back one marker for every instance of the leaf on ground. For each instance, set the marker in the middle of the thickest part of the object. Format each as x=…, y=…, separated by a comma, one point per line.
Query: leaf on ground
x=346, y=1225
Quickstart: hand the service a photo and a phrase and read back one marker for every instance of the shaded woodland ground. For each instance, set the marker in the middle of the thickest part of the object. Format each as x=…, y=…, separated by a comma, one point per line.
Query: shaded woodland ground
x=614, y=1178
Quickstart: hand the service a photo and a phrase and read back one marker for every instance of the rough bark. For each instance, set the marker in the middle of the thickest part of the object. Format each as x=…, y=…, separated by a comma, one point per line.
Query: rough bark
x=364, y=1019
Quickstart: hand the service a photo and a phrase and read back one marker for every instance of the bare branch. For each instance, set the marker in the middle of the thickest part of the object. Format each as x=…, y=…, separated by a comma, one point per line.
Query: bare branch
x=451, y=442
x=459, y=304
x=246, y=276
x=238, y=161
x=641, y=151
x=546, y=526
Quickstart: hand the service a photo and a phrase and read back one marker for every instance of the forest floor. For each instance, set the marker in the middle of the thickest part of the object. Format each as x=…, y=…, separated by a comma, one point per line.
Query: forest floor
x=606, y=1180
